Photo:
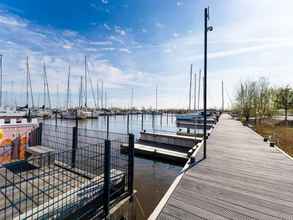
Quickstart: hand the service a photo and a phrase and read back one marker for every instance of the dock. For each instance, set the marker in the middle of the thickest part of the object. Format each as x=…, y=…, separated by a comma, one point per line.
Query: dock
x=193, y=125
x=241, y=178
x=156, y=153
x=172, y=139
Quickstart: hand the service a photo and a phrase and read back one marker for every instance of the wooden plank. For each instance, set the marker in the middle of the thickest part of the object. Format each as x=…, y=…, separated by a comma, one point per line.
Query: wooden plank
x=242, y=178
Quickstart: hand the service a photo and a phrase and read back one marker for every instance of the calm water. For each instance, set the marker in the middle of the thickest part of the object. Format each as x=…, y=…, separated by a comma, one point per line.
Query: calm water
x=152, y=178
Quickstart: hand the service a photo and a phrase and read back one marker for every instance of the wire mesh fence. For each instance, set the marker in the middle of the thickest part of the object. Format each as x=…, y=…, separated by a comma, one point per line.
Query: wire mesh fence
x=81, y=171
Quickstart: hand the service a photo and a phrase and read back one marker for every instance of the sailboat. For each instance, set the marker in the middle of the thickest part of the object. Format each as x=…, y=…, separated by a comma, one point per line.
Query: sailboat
x=71, y=113
x=44, y=112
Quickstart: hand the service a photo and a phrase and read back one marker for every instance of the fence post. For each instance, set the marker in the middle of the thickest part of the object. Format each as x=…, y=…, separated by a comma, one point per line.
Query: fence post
x=130, y=163
x=107, y=170
x=141, y=121
x=39, y=135
x=127, y=123
x=74, y=146
x=56, y=118
x=107, y=128
x=153, y=121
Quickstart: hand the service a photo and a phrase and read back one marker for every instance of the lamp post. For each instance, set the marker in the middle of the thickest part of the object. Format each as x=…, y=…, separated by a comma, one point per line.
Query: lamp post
x=206, y=29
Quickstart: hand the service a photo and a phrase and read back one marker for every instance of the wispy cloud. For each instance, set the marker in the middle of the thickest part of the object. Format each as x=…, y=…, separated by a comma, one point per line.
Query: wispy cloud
x=107, y=27
x=105, y=1
x=119, y=30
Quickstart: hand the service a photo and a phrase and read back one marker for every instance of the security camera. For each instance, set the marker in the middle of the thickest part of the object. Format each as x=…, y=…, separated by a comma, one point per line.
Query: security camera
x=210, y=28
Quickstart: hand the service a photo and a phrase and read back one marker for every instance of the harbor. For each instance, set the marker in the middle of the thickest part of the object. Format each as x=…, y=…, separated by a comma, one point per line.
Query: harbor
x=146, y=110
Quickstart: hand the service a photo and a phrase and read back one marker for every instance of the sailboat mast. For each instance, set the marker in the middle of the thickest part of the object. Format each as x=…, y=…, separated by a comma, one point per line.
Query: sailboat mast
x=156, y=98
x=98, y=99
x=222, y=95
x=105, y=99
x=93, y=92
x=47, y=86
x=194, y=106
x=85, y=81
x=80, y=92
x=131, y=99
x=102, y=95
x=1, y=78
x=29, y=83
x=190, y=86
x=199, y=80
x=44, y=86
x=68, y=88
x=58, y=98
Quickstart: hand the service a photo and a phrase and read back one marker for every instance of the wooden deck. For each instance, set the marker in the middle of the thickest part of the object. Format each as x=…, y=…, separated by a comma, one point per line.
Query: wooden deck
x=242, y=178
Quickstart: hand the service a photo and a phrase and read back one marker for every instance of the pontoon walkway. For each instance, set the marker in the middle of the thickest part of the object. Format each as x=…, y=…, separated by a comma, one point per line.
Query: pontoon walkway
x=242, y=178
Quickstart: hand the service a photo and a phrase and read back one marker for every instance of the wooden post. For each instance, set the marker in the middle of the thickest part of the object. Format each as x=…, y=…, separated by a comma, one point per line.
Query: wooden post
x=107, y=168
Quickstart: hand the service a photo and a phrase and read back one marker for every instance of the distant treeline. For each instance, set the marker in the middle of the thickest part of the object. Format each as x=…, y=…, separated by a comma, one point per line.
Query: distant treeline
x=258, y=99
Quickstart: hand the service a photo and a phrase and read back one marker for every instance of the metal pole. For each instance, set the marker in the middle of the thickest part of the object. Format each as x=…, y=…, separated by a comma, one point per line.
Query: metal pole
x=40, y=133
x=127, y=123
x=74, y=146
x=130, y=163
x=194, y=104
x=107, y=127
x=141, y=121
x=205, y=83
x=222, y=96
x=190, y=86
x=55, y=118
x=107, y=170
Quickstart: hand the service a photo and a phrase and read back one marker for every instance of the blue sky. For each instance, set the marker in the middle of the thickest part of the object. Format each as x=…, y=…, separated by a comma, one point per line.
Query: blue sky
x=141, y=44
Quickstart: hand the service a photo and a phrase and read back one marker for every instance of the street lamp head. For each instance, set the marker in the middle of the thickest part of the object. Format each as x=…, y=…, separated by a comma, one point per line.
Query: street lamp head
x=210, y=28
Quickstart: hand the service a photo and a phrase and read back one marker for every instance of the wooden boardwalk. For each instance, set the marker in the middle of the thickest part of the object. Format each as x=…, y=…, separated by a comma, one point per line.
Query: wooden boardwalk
x=242, y=178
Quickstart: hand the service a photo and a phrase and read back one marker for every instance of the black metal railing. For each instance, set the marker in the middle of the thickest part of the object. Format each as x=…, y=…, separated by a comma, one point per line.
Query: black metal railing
x=83, y=175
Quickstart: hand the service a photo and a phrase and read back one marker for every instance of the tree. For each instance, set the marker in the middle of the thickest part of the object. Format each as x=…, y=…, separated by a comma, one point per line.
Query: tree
x=246, y=98
x=284, y=99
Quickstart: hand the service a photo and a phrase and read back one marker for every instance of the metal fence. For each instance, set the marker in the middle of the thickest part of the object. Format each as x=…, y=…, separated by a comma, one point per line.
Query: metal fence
x=83, y=176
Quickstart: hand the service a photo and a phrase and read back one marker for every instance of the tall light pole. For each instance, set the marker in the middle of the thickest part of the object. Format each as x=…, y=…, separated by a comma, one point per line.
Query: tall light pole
x=206, y=29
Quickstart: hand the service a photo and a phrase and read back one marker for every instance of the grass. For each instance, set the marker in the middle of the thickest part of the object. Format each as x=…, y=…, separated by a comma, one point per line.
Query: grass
x=278, y=131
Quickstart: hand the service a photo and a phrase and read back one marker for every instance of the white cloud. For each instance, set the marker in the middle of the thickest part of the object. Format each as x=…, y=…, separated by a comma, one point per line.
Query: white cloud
x=175, y=34
x=107, y=27
x=105, y=1
x=70, y=33
x=159, y=25
x=11, y=22
x=120, y=31
x=125, y=50
x=101, y=43
x=179, y=3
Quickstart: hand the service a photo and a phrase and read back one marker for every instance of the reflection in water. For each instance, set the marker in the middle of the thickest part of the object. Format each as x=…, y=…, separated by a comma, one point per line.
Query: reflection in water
x=152, y=178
